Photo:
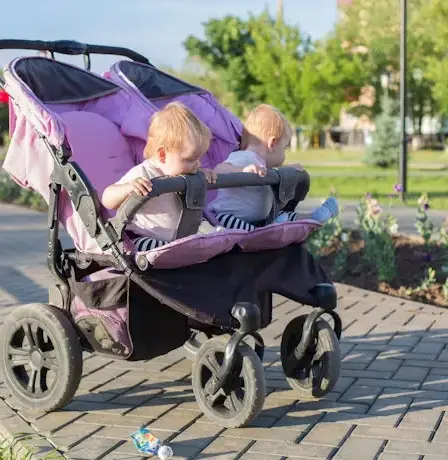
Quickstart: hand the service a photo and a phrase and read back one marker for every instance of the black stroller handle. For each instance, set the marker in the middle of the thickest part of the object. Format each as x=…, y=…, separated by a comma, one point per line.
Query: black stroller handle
x=71, y=47
x=178, y=184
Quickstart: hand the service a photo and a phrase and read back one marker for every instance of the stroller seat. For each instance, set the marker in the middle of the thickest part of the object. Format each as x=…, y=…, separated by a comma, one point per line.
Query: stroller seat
x=72, y=134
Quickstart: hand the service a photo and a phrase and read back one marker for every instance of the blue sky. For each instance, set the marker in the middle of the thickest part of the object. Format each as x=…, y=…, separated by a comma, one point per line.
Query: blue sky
x=155, y=28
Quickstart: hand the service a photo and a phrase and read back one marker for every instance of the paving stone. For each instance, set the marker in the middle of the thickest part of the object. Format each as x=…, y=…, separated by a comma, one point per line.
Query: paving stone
x=359, y=449
x=393, y=456
x=290, y=450
x=399, y=434
x=428, y=348
x=266, y=434
x=362, y=419
x=224, y=448
x=366, y=374
x=388, y=384
x=435, y=382
x=174, y=420
x=388, y=365
x=73, y=434
x=419, y=416
x=416, y=447
x=411, y=373
x=52, y=422
x=360, y=394
x=92, y=449
x=327, y=435
x=153, y=408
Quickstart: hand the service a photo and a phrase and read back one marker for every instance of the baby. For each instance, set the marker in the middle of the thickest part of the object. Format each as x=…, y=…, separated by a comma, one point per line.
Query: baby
x=176, y=141
x=265, y=138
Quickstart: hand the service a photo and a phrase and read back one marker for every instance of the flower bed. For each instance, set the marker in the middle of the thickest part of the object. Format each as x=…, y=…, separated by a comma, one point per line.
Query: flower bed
x=375, y=257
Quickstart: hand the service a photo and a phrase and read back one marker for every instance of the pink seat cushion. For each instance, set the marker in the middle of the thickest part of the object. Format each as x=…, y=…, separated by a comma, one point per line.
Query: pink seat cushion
x=103, y=154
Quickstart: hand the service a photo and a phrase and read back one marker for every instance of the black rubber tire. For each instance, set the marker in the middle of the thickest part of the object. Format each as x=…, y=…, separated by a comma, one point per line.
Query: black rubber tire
x=254, y=384
x=327, y=351
x=66, y=350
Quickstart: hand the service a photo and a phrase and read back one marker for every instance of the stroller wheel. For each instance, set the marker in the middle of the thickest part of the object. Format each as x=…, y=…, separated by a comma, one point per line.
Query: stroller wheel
x=40, y=357
x=322, y=374
x=242, y=396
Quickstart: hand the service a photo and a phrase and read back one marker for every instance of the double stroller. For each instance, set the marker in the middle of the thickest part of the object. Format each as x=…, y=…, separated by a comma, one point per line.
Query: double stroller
x=72, y=134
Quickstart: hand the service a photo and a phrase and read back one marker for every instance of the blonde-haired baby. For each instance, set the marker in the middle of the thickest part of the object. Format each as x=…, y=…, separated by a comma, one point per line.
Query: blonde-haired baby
x=265, y=137
x=176, y=141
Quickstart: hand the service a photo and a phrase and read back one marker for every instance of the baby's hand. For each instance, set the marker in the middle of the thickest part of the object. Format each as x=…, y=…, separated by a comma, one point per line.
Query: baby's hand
x=140, y=186
x=260, y=170
x=210, y=175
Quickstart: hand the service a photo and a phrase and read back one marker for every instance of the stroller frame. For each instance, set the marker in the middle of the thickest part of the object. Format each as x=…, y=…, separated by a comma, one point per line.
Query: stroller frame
x=109, y=235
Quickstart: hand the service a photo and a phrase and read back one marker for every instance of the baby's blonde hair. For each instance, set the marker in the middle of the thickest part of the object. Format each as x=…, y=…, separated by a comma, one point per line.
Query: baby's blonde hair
x=173, y=126
x=262, y=123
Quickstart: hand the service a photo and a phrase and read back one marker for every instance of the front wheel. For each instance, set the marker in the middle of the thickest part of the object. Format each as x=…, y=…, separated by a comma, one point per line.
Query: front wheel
x=242, y=397
x=321, y=377
x=40, y=357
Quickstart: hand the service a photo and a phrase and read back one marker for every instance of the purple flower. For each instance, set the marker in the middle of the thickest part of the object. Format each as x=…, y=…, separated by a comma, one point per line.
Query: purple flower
x=398, y=188
x=426, y=206
x=427, y=257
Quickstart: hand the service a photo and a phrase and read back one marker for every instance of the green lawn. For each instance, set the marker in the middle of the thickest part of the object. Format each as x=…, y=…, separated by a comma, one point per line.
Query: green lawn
x=314, y=156
x=353, y=188
x=428, y=173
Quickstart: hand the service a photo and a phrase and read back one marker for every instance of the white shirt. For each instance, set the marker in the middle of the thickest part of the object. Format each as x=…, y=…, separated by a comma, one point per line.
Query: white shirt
x=249, y=203
x=159, y=218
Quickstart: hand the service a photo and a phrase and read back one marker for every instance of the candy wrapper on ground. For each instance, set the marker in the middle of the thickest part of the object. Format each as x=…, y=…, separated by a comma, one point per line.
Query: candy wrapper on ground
x=147, y=443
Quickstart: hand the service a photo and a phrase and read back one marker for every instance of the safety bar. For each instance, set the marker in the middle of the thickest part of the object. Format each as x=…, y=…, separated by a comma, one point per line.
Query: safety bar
x=179, y=185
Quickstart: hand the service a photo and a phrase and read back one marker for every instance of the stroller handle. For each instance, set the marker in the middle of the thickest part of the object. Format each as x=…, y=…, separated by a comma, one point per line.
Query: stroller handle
x=178, y=184
x=71, y=47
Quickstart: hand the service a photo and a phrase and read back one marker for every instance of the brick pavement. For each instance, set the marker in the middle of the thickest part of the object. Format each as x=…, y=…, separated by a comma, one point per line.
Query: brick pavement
x=390, y=403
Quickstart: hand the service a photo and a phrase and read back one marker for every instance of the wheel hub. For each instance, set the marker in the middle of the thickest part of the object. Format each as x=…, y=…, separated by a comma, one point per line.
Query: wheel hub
x=36, y=358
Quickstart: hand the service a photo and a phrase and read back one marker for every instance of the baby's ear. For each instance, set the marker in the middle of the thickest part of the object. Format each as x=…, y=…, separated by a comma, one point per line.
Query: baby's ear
x=272, y=142
x=161, y=154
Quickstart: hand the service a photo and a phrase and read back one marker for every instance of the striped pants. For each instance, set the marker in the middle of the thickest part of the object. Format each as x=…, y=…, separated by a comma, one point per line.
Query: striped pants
x=232, y=222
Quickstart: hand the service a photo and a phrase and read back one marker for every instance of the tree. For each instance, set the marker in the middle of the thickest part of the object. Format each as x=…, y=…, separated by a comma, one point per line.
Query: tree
x=373, y=27
x=434, y=30
x=331, y=76
x=275, y=59
x=223, y=50
x=383, y=151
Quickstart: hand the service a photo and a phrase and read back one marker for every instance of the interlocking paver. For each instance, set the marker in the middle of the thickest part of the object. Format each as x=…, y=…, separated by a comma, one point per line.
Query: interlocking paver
x=388, y=404
x=359, y=449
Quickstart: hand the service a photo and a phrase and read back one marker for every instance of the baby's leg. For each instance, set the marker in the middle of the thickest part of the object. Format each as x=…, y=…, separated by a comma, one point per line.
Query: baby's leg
x=328, y=209
x=146, y=243
x=229, y=221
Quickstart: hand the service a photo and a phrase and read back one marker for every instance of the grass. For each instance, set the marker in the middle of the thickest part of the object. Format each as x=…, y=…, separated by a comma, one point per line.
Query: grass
x=353, y=188
x=316, y=156
x=354, y=180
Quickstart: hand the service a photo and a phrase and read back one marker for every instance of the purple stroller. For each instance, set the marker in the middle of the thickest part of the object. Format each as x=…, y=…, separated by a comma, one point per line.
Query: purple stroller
x=72, y=134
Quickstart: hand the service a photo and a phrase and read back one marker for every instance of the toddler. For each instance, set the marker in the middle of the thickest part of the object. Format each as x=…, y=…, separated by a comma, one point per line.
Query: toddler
x=265, y=138
x=176, y=141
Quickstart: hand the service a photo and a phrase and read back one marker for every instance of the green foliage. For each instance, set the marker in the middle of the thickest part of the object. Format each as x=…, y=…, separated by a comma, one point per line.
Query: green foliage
x=17, y=448
x=383, y=152
x=329, y=73
x=10, y=192
x=376, y=227
x=423, y=224
x=224, y=50
x=275, y=60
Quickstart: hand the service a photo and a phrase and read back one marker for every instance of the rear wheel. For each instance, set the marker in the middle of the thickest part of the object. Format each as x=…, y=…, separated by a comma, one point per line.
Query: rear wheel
x=40, y=357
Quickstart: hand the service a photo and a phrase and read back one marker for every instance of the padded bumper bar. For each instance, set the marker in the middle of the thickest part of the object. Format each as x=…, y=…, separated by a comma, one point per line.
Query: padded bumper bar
x=285, y=178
